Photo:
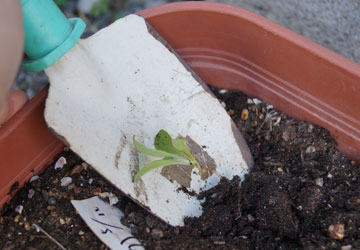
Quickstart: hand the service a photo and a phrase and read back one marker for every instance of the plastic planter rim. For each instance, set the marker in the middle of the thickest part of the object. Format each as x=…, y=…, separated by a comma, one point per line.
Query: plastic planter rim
x=229, y=48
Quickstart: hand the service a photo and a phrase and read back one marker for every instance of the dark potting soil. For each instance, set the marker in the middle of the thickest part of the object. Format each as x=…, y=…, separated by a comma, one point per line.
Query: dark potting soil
x=301, y=194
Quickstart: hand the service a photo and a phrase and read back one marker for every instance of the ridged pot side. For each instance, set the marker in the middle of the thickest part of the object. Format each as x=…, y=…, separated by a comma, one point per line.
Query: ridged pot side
x=232, y=48
x=26, y=147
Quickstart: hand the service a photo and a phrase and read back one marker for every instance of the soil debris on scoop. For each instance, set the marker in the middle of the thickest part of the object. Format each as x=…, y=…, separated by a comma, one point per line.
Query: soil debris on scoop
x=302, y=193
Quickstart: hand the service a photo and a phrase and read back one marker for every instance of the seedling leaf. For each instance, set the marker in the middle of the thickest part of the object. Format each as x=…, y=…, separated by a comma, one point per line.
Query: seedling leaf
x=164, y=142
x=152, y=152
x=180, y=160
x=174, y=152
x=180, y=144
x=157, y=164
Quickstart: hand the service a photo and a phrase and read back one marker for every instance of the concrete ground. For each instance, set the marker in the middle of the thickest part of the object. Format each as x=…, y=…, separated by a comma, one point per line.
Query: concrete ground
x=335, y=24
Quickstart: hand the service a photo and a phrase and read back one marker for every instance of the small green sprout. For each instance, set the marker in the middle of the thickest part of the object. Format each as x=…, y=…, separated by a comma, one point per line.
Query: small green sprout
x=99, y=8
x=60, y=3
x=172, y=151
x=118, y=15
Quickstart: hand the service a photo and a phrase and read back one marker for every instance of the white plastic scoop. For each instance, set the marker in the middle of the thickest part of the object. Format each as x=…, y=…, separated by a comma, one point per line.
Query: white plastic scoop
x=125, y=81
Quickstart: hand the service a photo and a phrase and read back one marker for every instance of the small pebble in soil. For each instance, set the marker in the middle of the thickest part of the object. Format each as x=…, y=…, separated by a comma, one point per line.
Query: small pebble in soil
x=60, y=163
x=51, y=201
x=27, y=226
x=250, y=218
x=250, y=101
x=256, y=101
x=31, y=193
x=113, y=199
x=65, y=181
x=244, y=114
x=157, y=233
x=310, y=150
x=230, y=112
x=17, y=218
x=85, y=165
x=104, y=195
x=34, y=178
x=319, y=182
x=337, y=231
x=269, y=106
x=19, y=209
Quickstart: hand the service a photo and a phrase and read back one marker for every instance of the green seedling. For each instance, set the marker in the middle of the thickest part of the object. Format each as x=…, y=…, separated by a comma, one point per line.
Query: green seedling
x=118, y=15
x=99, y=8
x=172, y=151
x=61, y=3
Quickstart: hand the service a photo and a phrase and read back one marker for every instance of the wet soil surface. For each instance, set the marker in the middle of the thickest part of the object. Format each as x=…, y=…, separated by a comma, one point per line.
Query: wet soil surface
x=301, y=194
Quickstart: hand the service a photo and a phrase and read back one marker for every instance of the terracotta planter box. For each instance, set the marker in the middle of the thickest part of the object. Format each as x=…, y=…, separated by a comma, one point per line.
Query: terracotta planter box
x=229, y=48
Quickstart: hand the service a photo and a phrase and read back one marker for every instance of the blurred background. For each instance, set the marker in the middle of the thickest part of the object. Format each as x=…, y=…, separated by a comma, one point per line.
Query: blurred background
x=334, y=24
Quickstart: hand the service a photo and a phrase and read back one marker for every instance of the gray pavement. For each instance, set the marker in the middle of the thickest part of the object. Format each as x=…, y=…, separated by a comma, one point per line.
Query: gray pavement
x=335, y=24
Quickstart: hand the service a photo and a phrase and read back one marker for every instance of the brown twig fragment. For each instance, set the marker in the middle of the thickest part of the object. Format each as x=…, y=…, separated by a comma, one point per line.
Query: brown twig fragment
x=49, y=236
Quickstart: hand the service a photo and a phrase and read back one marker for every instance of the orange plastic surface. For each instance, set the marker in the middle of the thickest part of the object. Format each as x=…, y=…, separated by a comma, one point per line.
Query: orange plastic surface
x=26, y=147
x=233, y=48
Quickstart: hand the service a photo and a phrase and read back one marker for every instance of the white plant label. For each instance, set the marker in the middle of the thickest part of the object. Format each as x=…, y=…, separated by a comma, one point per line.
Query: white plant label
x=104, y=221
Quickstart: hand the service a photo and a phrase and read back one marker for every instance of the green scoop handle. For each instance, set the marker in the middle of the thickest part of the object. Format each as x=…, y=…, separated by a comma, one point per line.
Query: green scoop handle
x=48, y=33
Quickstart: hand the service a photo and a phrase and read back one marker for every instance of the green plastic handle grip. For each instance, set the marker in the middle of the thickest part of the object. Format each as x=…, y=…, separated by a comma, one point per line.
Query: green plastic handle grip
x=48, y=33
